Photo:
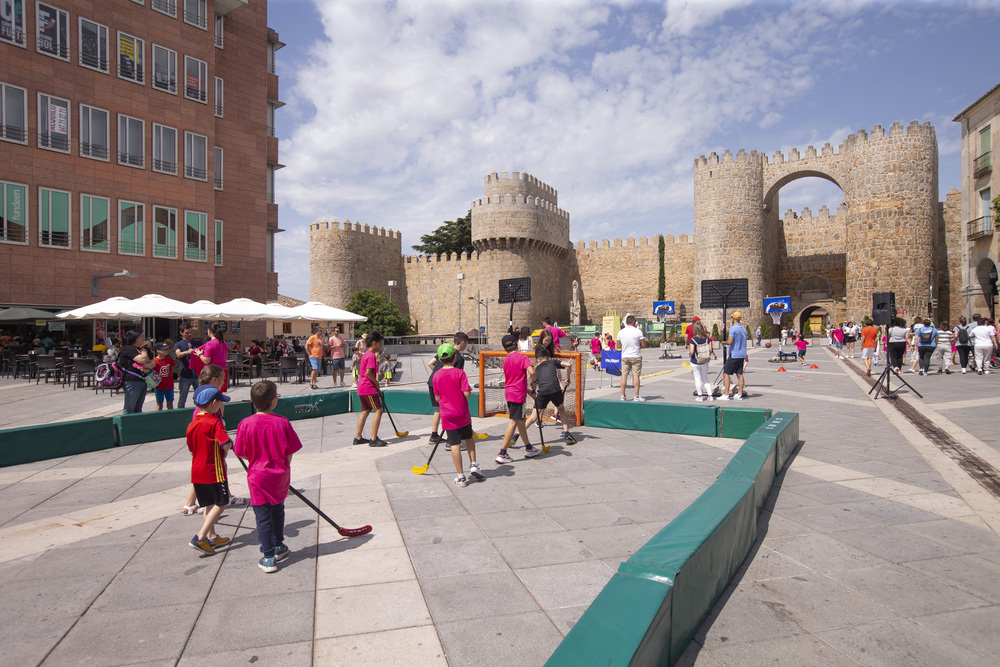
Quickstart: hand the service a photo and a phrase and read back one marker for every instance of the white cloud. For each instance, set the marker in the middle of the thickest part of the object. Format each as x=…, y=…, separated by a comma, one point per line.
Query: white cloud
x=684, y=16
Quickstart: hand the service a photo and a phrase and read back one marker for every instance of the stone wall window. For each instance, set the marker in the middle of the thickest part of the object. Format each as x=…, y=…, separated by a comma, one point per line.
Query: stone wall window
x=53, y=123
x=196, y=13
x=218, y=168
x=195, y=79
x=131, y=62
x=94, y=46
x=164, y=149
x=195, y=156
x=14, y=209
x=131, y=141
x=168, y=7
x=164, y=69
x=12, y=23
x=195, y=236
x=164, y=232
x=219, y=36
x=218, y=96
x=218, y=242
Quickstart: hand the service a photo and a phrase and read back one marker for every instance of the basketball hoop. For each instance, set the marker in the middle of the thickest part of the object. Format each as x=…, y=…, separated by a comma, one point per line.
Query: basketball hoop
x=776, y=317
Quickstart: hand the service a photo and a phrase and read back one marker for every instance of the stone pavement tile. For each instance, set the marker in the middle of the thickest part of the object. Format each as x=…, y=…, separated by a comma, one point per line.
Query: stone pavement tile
x=371, y=608
x=353, y=514
x=823, y=519
x=350, y=478
x=992, y=556
x=955, y=534
x=359, y=495
x=484, y=595
x=972, y=574
x=419, y=508
x=897, y=545
x=356, y=567
x=486, y=496
x=296, y=574
x=452, y=558
x=817, y=602
x=905, y=591
x=775, y=525
x=523, y=478
x=795, y=650
x=564, y=461
x=899, y=642
x=823, y=553
x=417, y=647
x=40, y=599
x=781, y=498
x=694, y=656
x=645, y=472
x=739, y=619
x=75, y=560
x=880, y=468
x=417, y=487
x=566, y=584
x=559, y=497
x=236, y=624
x=286, y=655
x=542, y=549
x=384, y=533
x=885, y=511
x=587, y=516
x=650, y=509
x=766, y=563
x=155, y=482
x=516, y=522
x=634, y=490
x=617, y=540
x=975, y=629
x=141, y=589
x=929, y=481
x=564, y=618
x=27, y=643
x=438, y=529
x=830, y=492
x=515, y=639
x=589, y=477
x=127, y=637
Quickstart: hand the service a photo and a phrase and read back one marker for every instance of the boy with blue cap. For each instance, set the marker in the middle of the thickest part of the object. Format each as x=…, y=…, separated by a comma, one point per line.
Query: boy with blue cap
x=208, y=442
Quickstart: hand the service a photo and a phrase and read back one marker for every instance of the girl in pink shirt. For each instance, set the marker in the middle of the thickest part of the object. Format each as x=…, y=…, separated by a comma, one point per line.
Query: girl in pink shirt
x=216, y=352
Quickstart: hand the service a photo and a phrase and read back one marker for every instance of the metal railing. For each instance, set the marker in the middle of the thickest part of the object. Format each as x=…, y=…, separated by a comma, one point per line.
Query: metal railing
x=97, y=62
x=980, y=227
x=195, y=254
x=164, y=166
x=14, y=132
x=132, y=73
x=12, y=233
x=132, y=159
x=168, y=85
x=195, y=172
x=218, y=184
x=94, y=150
x=193, y=93
x=131, y=247
x=165, y=6
x=194, y=18
x=982, y=165
x=54, y=142
x=169, y=252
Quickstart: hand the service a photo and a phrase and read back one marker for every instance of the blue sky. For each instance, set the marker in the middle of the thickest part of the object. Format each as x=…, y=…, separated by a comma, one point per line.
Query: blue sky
x=395, y=111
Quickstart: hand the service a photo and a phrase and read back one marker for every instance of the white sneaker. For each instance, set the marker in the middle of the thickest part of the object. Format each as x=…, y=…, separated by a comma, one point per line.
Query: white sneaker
x=963, y=371
x=639, y=399
x=724, y=397
x=622, y=397
x=503, y=457
x=700, y=399
x=738, y=397
x=461, y=481
x=475, y=471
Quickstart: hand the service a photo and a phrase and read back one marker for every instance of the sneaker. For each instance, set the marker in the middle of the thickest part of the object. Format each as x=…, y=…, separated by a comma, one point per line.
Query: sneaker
x=513, y=440
x=623, y=397
x=503, y=457
x=700, y=399
x=475, y=471
x=568, y=438
x=724, y=397
x=963, y=371
x=461, y=481
x=532, y=452
x=201, y=545
x=281, y=552
x=377, y=442
x=710, y=398
x=269, y=565
x=639, y=399
x=909, y=370
x=947, y=371
x=435, y=438
x=219, y=541
x=738, y=397
x=360, y=441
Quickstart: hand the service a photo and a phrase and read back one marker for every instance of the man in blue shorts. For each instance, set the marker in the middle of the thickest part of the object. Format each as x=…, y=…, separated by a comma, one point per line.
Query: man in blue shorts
x=737, y=343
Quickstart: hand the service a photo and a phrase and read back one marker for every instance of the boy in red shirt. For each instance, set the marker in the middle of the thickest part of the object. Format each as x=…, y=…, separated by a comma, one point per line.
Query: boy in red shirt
x=268, y=441
x=165, y=369
x=517, y=368
x=208, y=442
x=368, y=391
x=452, y=390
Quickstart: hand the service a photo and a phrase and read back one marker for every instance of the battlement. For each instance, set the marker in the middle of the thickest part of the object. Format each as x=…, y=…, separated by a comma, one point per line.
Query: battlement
x=444, y=257
x=520, y=201
x=822, y=215
x=643, y=241
x=517, y=183
x=334, y=225
x=794, y=154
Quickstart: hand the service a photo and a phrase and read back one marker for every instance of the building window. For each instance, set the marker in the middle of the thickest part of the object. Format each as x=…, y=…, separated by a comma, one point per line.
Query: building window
x=164, y=69
x=164, y=149
x=195, y=156
x=218, y=31
x=164, y=232
x=131, y=141
x=195, y=79
x=196, y=13
x=53, y=31
x=271, y=58
x=270, y=118
x=12, y=22
x=93, y=45
x=94, y=133
x=218, y=168
x=14, y=218
x=13, y=113
x=218, y=96
x=985, y=203
x=195, y=236
x=269, y=251
x=131, y=228
x=53, y=218
x=94, y=223
x=53, y=123
x=168, y=7
x=270, y=184
x=131, y=65
x=218, y=242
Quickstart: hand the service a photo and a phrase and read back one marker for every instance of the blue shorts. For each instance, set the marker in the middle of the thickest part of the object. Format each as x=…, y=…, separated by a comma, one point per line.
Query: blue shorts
x=337, y=364
x=838, y=344
x=315, y=363
x=164, y=395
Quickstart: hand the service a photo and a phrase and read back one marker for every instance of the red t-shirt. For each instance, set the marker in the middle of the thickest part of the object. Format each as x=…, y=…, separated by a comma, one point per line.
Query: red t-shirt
x=165, y=369
x=449, y=385
x=365, y=386
x=515, y=375
x=206, y=434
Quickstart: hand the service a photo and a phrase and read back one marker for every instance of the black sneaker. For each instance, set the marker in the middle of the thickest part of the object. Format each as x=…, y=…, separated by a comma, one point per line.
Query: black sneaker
x=513, y=441
x=435, y=438
x=568, y=439
x=377, y=442
x=360, y=441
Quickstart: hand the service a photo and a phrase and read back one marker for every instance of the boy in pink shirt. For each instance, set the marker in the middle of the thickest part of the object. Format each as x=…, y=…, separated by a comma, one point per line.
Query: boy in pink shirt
x=517, y=368
x=268, y=441
x=452, y=390
x=802, y=344
x=368, y=392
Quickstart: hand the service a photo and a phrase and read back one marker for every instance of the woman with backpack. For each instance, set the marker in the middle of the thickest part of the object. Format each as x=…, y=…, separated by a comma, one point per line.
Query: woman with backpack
x=963, y=343
x=133, y=360
x=700, y=349
x=926, y=337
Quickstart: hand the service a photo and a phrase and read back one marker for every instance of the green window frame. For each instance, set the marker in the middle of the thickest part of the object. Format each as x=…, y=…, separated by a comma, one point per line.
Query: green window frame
x=218, y=242
x=94, y=232
x=14, y=213
x=54, y=210
x=131, y=228
x=984, y=140
x=165, y=232
x=195, y=236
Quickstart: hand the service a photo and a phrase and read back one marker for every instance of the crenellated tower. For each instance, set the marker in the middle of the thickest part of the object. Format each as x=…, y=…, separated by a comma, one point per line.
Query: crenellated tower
x=343, y=260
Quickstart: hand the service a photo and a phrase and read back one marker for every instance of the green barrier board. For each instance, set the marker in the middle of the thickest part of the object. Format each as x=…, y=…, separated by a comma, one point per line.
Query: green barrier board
x=656, y=417
x=406, y=402
x=316, y=404
x=152, y=426
x=740, y=422
x=784, y=426
x=755, y=461
x=48, y=441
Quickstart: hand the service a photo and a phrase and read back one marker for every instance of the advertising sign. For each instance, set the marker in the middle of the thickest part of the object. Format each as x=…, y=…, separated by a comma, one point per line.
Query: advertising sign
x=12, y=21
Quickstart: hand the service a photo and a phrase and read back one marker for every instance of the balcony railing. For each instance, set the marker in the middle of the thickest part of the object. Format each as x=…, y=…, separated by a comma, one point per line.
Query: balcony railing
x=165, y=6
x=131, y=247
x=982, y=165
x=981, y=227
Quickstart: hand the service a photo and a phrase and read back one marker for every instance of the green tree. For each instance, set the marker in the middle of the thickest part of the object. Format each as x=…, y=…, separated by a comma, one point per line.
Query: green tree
x=382, y=314
x=765, y=330
x=715, y=331
x=806, y=329
x=661, y=288
x=996, y=212
x=451, y=236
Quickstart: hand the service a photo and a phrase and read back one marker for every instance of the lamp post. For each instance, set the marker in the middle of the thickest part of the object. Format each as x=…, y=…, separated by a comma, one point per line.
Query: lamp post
x=392, y=283
x=486, y=304
x=124, y=273
x=461, y=277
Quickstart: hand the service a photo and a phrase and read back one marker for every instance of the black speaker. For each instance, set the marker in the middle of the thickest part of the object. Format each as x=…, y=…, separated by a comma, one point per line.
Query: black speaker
x=883, y=308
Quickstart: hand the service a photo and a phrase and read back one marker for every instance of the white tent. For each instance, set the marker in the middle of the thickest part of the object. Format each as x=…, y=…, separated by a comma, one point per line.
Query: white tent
x=320, y=312
x=19, y=314
x=116, y=306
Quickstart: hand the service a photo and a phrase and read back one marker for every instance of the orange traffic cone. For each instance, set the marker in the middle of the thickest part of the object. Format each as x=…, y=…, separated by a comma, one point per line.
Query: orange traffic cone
x=814, y=366
x=782, y=369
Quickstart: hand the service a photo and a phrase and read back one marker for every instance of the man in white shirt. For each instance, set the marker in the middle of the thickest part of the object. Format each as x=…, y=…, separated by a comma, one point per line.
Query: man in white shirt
x=630, y=341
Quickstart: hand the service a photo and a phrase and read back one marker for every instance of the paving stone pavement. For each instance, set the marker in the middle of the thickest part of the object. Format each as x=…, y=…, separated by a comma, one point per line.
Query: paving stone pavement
x=875, y=547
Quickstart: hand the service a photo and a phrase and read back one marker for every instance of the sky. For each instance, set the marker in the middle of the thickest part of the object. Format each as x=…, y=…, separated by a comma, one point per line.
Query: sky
x=396, y=111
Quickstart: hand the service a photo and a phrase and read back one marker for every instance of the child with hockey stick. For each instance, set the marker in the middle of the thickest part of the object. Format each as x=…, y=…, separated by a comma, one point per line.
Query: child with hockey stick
x=460, y=340
x=208, y=442
x=550, y=389
x=268, y=441
x=517, y=369
x=368, y=392
x=452, y=390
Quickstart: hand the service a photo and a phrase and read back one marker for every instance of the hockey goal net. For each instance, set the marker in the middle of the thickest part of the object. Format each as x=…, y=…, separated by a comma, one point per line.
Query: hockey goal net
x=492, y=401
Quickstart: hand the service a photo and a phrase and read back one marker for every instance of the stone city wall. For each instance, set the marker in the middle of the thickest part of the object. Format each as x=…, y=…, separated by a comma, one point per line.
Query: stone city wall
x=432, y=287
x=951, y=302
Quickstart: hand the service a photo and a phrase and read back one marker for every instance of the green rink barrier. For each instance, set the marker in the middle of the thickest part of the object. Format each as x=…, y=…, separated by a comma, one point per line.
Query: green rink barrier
x=28, y=444
x=739, y=422
x=754, y=462
x=169, y=424
x=650, y=416
x=784, y=426
x=409, y=402
x=317, y=404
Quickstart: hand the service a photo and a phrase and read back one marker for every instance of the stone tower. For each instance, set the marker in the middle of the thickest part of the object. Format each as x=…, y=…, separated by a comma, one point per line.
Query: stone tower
x=892, y=219
x=355, y=257
x=519, y=231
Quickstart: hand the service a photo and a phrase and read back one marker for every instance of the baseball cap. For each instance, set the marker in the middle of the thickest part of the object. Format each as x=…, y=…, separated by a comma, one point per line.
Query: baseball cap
x=737, y=315
x=446, y=351
x=508, y=341
x=206, y=393
x=162, y=346
x=696, y=319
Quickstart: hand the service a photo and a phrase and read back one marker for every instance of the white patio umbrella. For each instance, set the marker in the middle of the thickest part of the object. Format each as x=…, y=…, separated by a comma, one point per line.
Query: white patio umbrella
x=203, y=309
x=320, y=312
x=242, y=309
x=18, y=314
x=155, y=305
x=116, y=306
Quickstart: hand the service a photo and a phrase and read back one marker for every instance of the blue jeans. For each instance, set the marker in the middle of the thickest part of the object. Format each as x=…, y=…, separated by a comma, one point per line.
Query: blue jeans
x=270, y=527
x=135, y=395
x=184, y=386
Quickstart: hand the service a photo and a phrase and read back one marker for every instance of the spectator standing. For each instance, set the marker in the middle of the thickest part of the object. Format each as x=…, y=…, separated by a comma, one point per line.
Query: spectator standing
x=700, y=348
x=631, y=340
x=524, y=342
x=926, y=337
x=962, y=339
x=216, y=352
x=165, y=370
x=869, y=345
x=898, y=337
x=336, y=344
x=186, y=376
x=314, y=347
x=134, y=359
x=737, y=343
x=984, y=339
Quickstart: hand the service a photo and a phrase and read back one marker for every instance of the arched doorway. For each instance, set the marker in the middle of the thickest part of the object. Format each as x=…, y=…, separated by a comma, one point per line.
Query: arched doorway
x=817, y=315
x=984, y=281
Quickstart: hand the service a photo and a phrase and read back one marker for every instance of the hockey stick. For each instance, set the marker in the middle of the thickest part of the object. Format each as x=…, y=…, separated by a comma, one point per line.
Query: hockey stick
x=420, y=470
x=345, y=532
x=541, y=437
x=479, y=436
x=399, y=434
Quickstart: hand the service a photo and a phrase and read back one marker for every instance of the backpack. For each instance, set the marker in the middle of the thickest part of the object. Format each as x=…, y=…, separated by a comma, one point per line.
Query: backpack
x=963, y=335
x=109, y=376
x=702, y=352
x=926, y=336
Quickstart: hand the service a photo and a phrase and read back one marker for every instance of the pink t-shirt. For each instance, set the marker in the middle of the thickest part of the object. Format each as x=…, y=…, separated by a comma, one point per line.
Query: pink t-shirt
x=557, y=333
x=801, y=344
x=336, y=347
x=217, y=352
x=449, y=385
x=365, y=386
x=595, y=345
x=267, y=440
x=515, y=375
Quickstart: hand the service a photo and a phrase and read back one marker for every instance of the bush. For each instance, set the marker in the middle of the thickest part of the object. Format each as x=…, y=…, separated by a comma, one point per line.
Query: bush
x=715, y=331
x=765, y=330
x=382, y=314
x=806, y=330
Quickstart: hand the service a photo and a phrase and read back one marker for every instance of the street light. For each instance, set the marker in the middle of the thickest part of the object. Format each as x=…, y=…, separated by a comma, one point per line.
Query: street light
x=486, y=304
x=392, y=283
x=461, y=277
x=124, y=273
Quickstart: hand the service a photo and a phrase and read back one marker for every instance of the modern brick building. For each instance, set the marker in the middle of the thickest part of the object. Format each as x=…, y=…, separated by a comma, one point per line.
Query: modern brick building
x=137, y=135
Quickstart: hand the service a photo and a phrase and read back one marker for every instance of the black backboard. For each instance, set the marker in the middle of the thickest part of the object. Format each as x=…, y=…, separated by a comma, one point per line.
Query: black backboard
x=515, y=290
x=725, y=293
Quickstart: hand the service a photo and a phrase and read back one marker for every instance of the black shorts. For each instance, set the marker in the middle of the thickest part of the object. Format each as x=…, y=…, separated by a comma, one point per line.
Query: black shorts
x=515, y=411
x=542, y=400
x=456, y=437
x=434, y=401
x=850, y=339
x=212, y=494
x=734, y=366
